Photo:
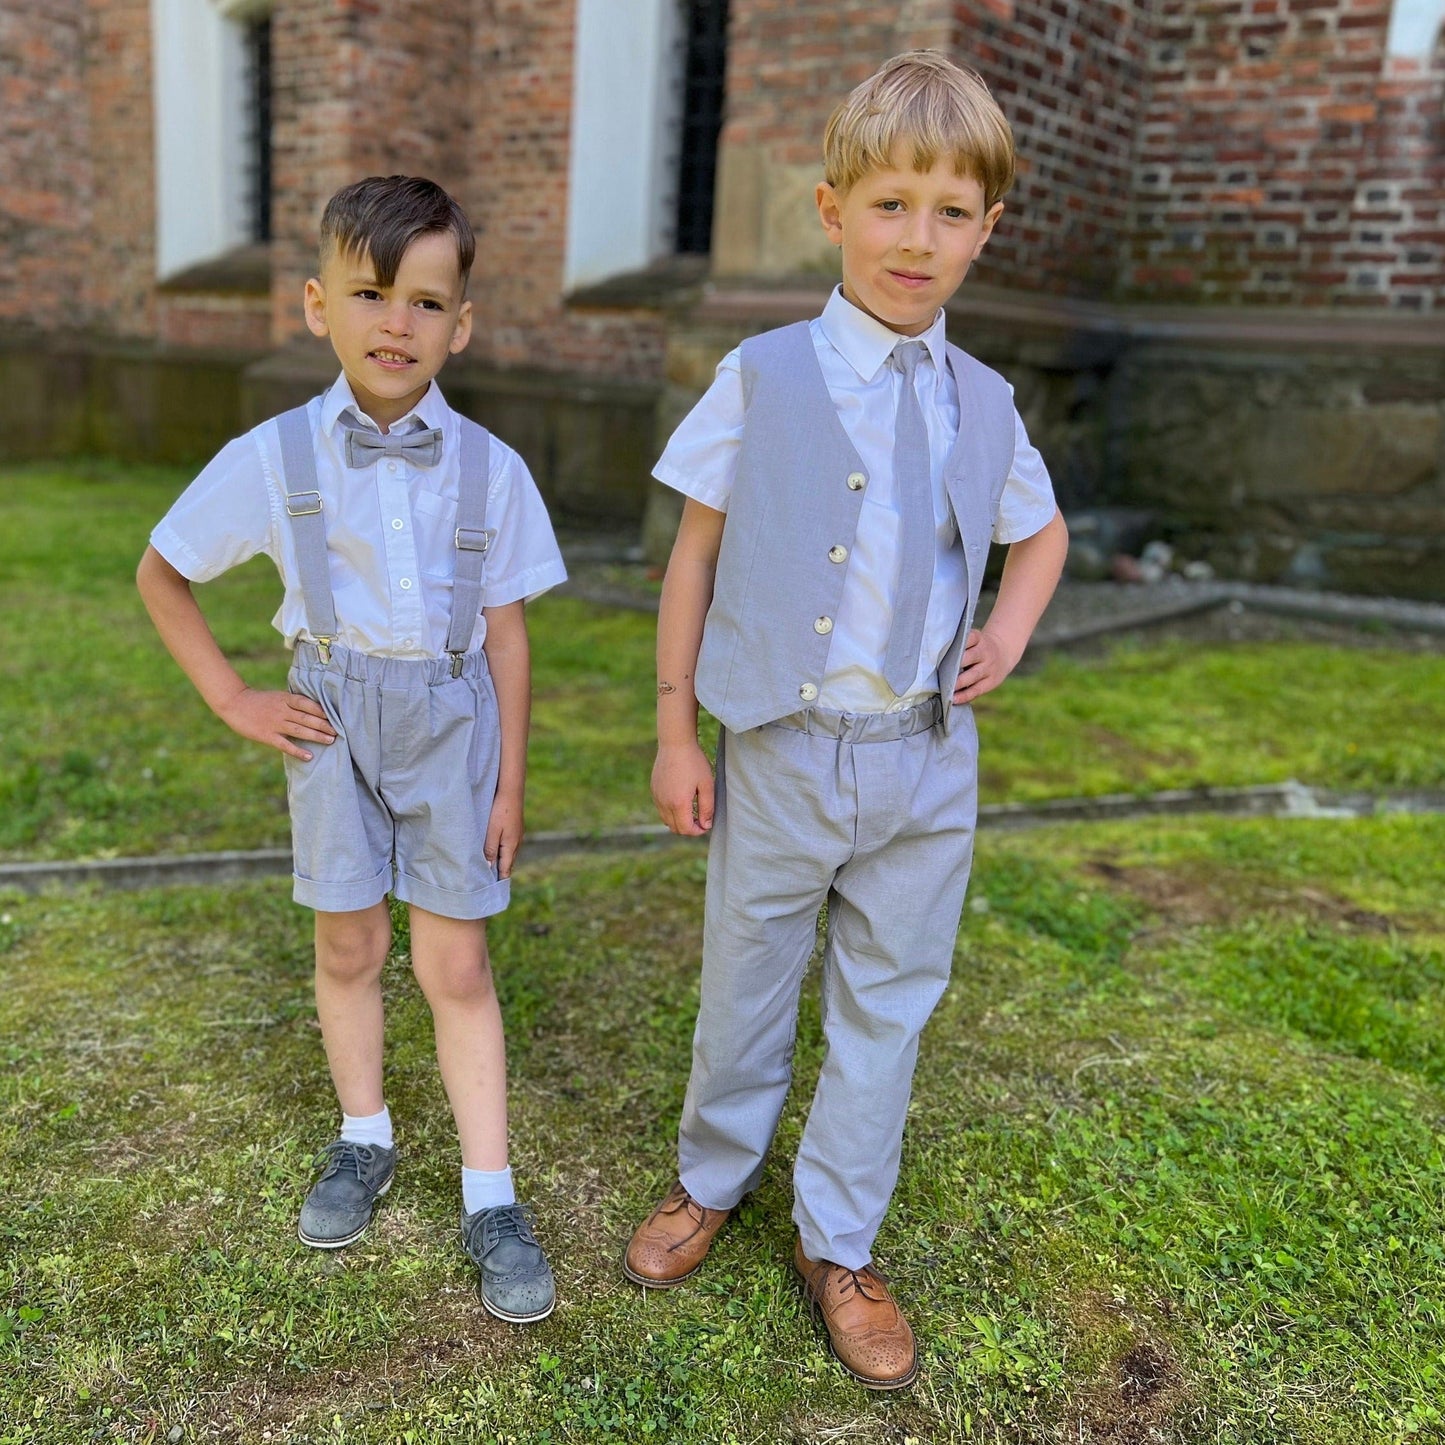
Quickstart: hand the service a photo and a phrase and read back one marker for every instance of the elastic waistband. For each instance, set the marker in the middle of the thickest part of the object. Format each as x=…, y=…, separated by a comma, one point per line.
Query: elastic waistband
x=388, y=671
x=864, y=727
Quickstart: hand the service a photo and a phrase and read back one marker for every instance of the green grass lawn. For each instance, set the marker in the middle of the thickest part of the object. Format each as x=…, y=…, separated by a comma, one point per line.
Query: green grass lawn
x=1174, y=1166
x=109, y=752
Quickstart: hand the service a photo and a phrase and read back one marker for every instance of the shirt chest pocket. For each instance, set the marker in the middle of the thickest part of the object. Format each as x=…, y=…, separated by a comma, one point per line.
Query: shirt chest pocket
x=435, y=520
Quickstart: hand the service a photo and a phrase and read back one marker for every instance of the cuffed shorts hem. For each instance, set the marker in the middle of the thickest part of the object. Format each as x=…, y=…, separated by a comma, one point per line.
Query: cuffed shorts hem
x=476, y=903
x=341, y=897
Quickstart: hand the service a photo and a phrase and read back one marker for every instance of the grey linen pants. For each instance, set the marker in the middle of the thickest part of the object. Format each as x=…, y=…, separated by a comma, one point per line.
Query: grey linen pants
x=839, y=808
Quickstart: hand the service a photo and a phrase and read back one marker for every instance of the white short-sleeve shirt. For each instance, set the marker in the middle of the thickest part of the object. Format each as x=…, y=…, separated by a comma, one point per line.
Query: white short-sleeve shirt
x=853, y=348
x=390, y=528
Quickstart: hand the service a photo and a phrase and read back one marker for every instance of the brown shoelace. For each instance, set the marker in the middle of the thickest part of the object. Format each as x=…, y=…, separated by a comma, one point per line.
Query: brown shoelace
x=679, y=1198
x=857, y=1281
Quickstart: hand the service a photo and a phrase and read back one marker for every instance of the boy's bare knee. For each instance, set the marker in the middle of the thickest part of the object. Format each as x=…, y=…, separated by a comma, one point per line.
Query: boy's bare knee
x=450, y=959
x=352, y=947
x=463, y=977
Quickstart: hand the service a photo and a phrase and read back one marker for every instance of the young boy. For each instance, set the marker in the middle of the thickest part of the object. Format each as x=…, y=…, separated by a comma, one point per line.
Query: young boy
x=408, y=542
x=843, y=480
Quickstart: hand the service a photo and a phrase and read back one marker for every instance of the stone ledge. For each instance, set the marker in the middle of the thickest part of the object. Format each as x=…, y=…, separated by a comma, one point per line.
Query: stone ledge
x=1270, y=800
x=246, y=271
x=798, y=298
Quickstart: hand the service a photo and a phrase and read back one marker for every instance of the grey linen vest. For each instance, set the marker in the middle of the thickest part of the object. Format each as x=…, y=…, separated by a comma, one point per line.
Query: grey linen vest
x=793, y=516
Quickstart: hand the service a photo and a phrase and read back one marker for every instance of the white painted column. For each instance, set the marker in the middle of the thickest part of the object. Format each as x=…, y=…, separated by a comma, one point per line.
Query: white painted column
x=200, y=98
x=1414, y=26
x=626, y=104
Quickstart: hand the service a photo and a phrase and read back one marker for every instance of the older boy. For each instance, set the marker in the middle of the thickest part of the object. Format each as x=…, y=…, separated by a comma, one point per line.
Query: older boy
x=408, y=541
x=843, y=480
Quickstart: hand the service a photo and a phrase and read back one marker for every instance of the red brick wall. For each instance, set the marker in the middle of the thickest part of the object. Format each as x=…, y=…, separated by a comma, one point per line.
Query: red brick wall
x=1170, y=150
x=117, y=77
x=516, y=195
x=790, y=64
x=45, y=165
x=477, y=96
x=1284, y=159
x=1233, y=151
x=77, y=197
x=358, y=89
x=1070, y=75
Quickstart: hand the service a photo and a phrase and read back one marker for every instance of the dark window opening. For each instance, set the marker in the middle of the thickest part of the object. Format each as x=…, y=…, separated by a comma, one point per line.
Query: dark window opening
x=258, y=141
x=704, y=73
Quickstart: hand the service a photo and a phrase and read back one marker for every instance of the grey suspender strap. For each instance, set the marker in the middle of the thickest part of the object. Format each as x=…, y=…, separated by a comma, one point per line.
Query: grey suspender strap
x=472, y=538
x=303, y=506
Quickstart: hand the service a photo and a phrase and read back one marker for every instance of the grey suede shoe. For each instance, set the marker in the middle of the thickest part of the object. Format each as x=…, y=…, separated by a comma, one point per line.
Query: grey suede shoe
x=517, y=1284
x=338, y=1208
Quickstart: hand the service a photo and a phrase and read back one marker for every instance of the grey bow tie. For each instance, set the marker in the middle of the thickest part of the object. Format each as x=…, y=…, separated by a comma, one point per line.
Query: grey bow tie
x=421, y=448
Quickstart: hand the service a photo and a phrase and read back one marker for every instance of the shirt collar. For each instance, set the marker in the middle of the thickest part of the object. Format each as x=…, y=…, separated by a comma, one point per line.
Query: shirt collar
x=865, y=343
x=430, y=411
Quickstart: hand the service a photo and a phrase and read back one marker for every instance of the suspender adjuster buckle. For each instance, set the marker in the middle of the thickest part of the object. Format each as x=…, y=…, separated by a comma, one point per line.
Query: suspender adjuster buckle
x=456, y=658
x=470, y=539
x=323, y=646
x=302, y=504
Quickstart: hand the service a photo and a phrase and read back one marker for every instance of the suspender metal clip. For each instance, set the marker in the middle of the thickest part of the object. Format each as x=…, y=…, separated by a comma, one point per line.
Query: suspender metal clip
x=323, y=646
x=456, y=658
x=302, y=504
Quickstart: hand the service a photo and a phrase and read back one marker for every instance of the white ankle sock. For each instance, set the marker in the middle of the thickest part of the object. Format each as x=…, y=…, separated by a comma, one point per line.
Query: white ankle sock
x=368, y=1129
x=486, y=1188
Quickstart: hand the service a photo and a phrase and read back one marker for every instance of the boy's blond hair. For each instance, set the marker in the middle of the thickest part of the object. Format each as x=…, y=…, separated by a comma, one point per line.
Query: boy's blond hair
x=944, y=112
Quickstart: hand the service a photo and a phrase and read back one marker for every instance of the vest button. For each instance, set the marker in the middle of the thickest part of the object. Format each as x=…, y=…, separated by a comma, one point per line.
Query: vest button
x=808, y=692
x=837, y=553
x=856, y=481
x=823, y=625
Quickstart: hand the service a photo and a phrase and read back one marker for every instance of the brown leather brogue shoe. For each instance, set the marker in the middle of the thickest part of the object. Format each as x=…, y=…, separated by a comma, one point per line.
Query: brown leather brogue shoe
x=672, y=1242
x=869, y=1335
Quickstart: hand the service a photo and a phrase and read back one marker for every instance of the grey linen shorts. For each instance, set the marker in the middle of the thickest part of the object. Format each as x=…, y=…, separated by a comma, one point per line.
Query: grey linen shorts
x=400, y=801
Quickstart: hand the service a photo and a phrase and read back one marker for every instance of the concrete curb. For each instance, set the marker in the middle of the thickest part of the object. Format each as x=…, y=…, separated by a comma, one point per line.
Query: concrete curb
x=1149, y=606
x=1273, y=800
x=1174, y=600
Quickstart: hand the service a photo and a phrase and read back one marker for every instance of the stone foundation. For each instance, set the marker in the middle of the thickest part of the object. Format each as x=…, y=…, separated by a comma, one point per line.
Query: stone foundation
x=587, y=441
x=1286, y=447
x=1279, y=447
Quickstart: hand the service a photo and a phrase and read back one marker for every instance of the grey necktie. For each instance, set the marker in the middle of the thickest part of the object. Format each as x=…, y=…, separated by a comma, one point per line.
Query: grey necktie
x=913, y=481
x=420, y=448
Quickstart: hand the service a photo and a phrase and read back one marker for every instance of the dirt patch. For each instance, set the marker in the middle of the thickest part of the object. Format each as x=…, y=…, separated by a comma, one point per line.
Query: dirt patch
x=1328, y=908
x=1102, y=742
x=1138, y=1402
x=1179, y=899
x=1194, y=899
x=272, y=1406
x=1139, y=1394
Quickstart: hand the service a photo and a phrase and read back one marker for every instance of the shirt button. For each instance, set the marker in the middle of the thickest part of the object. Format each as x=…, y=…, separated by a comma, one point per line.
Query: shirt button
x=397, y=524
x=856, y=481
x=391, y=466
x=808, y=692
x=823, y=625
x=837, y=553
x=408, y=642
x=405, y=584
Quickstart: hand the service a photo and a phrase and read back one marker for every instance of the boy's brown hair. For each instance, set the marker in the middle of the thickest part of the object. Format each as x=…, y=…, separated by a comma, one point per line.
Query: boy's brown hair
x=939, y=109
x=379, y=217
